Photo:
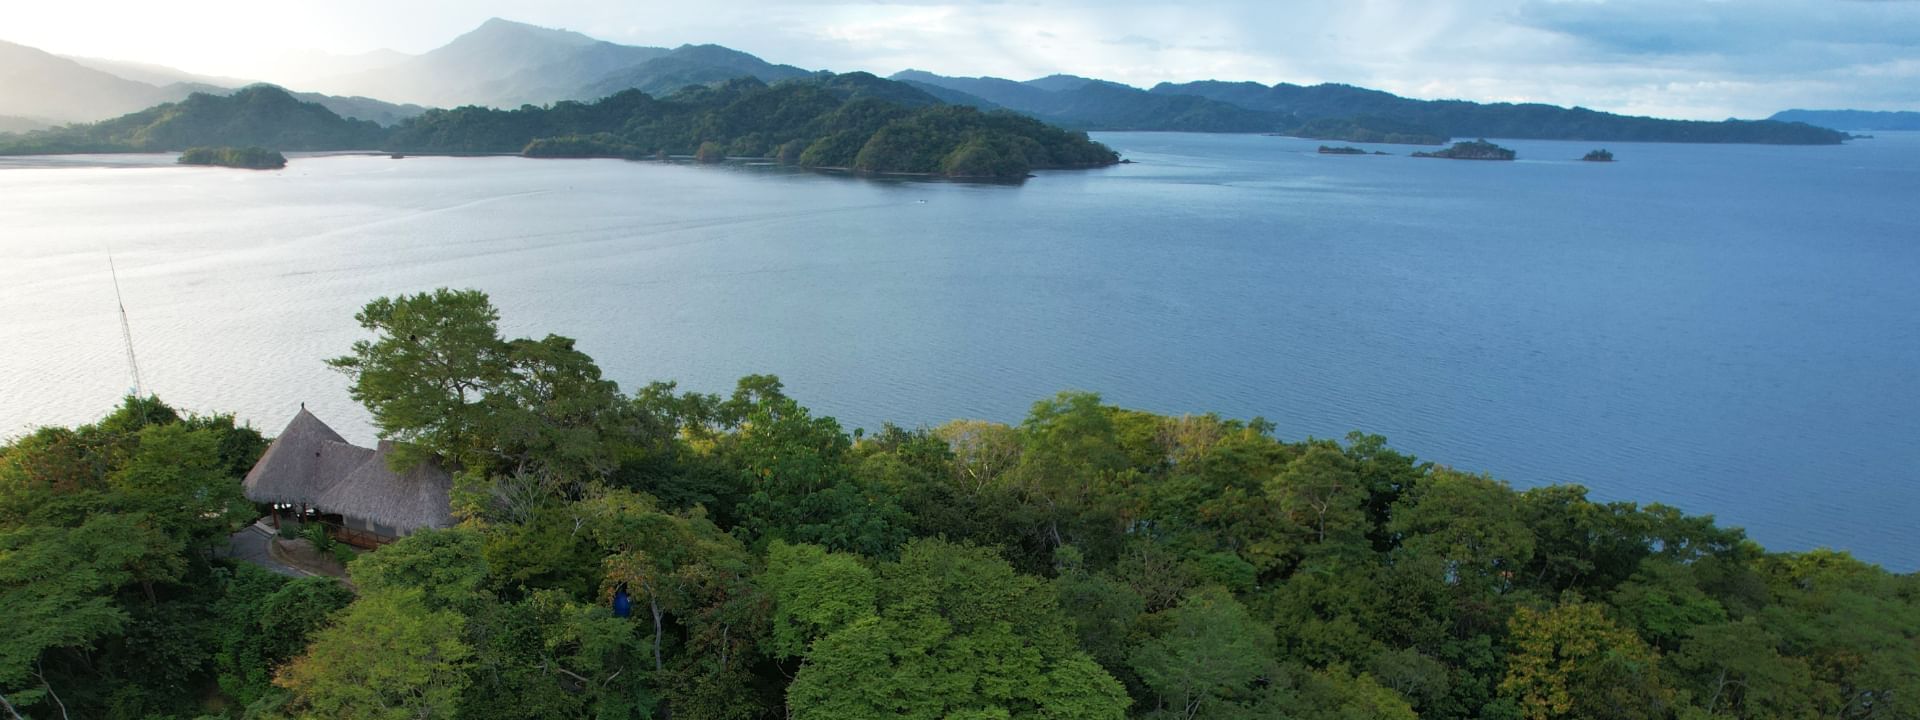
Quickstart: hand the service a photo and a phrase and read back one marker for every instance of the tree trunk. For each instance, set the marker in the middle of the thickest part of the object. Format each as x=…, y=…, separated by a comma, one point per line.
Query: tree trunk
x=653, y=599
x=1719, y=684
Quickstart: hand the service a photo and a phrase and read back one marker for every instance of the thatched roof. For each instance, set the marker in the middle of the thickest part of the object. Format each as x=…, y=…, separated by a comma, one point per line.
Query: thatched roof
x=406, y=501
x=302, y=462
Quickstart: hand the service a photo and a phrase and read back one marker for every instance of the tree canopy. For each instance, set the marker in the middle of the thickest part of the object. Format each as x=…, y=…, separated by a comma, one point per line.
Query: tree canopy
x=1089, y=561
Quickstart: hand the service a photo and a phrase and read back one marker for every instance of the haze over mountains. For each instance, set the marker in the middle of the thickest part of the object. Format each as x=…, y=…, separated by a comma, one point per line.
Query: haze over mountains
x=507, y=64
x=39, y=89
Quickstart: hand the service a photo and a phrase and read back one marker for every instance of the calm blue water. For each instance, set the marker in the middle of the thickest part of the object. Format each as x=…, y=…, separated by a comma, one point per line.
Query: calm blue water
x=1731, y=330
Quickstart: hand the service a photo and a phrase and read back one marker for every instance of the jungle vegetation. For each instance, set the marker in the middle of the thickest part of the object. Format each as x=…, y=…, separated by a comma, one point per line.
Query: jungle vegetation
x=855, y=122
x=1088, y=561
x=1470, y=150
x=259, y=115
x=251, y=158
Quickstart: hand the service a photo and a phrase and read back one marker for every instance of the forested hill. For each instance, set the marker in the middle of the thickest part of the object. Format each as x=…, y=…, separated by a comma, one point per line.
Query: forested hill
x=1089, y=562
x=1853, y=119
x=687, y=65
x=1099, y=105
x=853, y=121
x=1460, y=118
x=261, y=115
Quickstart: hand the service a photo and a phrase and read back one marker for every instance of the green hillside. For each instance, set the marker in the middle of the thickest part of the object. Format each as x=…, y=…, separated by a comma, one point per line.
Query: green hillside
x=854, y=121
x=1460, y=118
x=261, y=115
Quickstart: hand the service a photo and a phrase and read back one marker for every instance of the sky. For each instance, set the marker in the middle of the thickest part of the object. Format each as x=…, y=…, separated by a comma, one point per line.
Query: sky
x=1705, y=59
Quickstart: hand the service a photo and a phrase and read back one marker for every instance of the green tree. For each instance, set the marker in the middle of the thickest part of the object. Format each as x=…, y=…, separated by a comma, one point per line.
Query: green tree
x=1323, y=496
x=958, y=631
x=814, y=593
x=1736, y=670
x=1211, y=654
x=1070, y=458
x=390, y=656
x=1472, y=523
x=266, y=620
x=448, y=567
x=1570, y=661
x=798, y=484
x=433, y=358
x=551, y=412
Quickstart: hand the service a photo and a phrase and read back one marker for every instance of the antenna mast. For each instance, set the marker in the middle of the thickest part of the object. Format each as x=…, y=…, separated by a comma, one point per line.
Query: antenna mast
x=126, y=328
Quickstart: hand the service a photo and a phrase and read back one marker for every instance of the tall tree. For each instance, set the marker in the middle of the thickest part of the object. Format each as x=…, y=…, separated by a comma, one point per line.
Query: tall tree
x=433, y=358
x=1211, y=654
x=1570, y=661
x=956, y=631
x=390, y=656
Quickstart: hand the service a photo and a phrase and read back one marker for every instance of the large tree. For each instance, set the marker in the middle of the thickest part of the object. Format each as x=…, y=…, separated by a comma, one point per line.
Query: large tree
x=433, y=358
x=956, y=632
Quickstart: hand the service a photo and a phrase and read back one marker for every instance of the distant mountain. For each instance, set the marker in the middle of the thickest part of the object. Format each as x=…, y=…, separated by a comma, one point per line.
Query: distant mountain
x=360, y=108
x=1852, y=119
x=13, y=124
x=157, y=75
x=687, y=65
x=39, y=89
x=1460, y=118
x=46, y=88
x=502, y=64
x=1057, y=83
x=951, y=96
x=1099, y=105
x=261, y=115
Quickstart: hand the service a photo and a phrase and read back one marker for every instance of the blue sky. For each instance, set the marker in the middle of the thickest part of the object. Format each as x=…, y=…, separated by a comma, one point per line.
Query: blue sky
x=1680, y=58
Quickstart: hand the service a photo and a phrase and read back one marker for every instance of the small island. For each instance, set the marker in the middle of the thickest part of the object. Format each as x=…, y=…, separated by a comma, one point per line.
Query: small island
x=248, y=158
x=1472, y=150
x=1348, y=150
x=1598, y=156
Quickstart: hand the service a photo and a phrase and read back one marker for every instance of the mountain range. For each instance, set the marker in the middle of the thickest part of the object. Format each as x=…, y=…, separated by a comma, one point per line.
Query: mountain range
x=506, y=64
x=1852, y=119
x=40, y=90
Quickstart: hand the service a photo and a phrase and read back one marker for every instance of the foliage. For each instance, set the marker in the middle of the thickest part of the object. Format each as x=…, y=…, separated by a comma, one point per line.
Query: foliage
x=1470, y=150
x=106, y=569
x=1086, y=562
x=253, y=158
x=1368, y=129
x=390, y=655
x=1570, y=661
x=954, y=630
x=260, y=115
x=1461, y=118
x=854, y=121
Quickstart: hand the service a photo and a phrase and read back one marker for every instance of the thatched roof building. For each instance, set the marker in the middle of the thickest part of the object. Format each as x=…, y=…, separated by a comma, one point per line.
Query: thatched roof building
x=309, y=466
x=390, y=500
x=302, y=462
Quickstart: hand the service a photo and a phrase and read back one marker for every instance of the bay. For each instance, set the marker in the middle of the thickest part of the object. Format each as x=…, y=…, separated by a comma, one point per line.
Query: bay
x=1728, y=329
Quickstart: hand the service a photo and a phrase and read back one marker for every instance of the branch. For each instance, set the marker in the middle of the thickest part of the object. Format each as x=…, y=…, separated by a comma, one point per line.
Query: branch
x=571, y=674
x=38, y=669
